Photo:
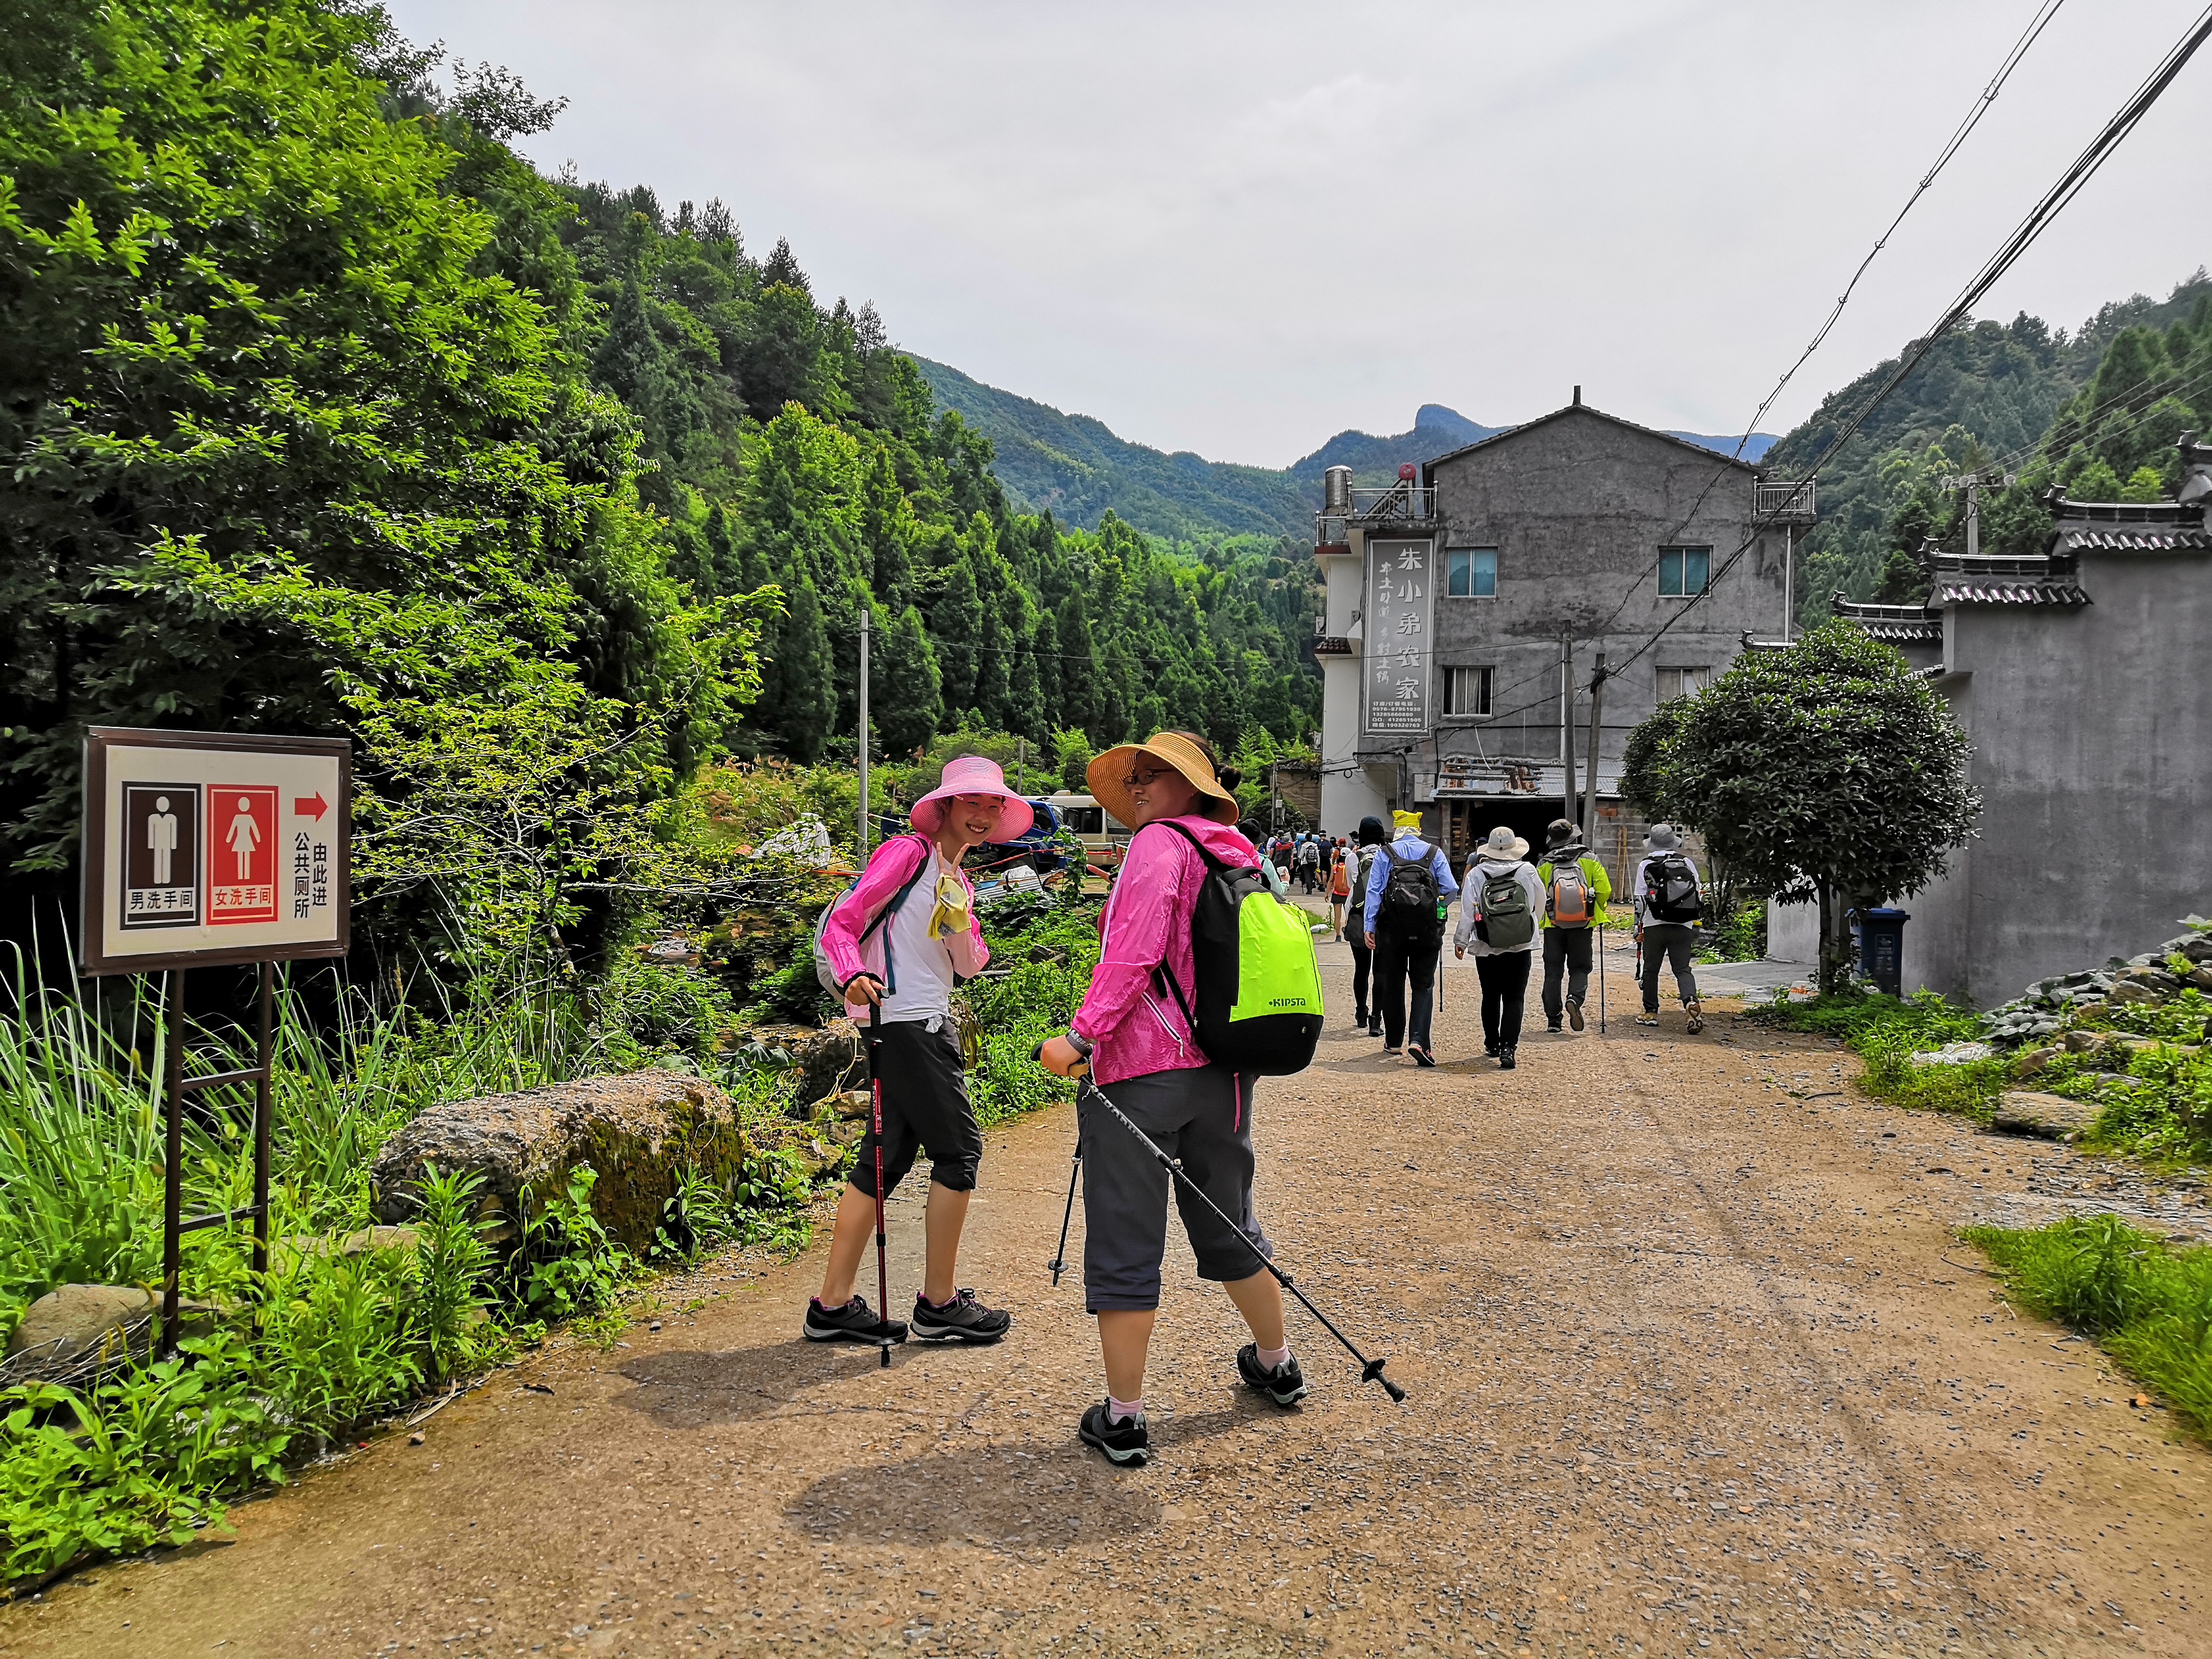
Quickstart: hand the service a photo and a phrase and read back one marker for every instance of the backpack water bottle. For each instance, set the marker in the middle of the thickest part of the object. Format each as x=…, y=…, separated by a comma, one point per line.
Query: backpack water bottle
x=1255, y=982
x=1569, y=900
x=1507, y=922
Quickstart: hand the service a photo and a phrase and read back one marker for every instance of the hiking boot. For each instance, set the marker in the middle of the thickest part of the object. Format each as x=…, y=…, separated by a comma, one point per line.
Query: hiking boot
x=1286, y=1385
x=855, y=1322
x=1647, y=1019
x=1575, y=1014
x=963, y=1319
x=1127, y=1445
x=1489, y=1048
x=1506, y=1061
x=1552, y=1026
x=1696, y=1016
x=1359, y=1018
x=1375, y=1026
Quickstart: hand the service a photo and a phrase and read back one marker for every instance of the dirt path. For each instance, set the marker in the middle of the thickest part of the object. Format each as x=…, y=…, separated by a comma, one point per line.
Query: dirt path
x=1696, y=1369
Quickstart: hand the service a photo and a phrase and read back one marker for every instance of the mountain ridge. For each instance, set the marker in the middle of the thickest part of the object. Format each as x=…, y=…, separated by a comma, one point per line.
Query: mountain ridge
x=1076, y=467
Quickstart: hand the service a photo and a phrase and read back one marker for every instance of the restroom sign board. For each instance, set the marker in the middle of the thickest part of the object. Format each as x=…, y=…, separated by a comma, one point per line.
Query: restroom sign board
x=202, y=847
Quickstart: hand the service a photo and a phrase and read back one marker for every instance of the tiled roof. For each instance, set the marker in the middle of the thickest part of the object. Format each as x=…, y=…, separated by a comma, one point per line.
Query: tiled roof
x=1867, y=610
x=2146, y=540
x=1890, y=633
x=1892, y=624
x=1960, y=589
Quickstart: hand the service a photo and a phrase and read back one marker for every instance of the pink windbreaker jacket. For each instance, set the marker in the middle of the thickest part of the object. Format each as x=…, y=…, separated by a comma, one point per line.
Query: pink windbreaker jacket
x=889, y=868
x=1135, y=1028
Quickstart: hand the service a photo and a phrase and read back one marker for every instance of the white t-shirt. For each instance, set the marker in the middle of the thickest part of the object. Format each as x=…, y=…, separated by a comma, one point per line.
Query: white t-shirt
x=921, y=965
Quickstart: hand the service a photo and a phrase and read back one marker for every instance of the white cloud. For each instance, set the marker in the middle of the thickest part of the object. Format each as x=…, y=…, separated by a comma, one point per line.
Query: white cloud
x=1239, y=228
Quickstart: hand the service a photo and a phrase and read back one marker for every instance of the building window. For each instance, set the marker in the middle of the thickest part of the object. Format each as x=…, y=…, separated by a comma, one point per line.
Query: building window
x=1467, y=691
x=1470, y=572
x=1682, y=683
x=1683, y=571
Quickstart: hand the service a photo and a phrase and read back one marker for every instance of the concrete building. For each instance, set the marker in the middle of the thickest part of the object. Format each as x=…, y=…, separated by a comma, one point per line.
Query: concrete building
x=1455, y=598
x=2081, y=677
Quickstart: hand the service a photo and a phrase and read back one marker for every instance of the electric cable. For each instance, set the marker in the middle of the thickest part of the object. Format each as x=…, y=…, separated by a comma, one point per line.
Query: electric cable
x=1974, y=114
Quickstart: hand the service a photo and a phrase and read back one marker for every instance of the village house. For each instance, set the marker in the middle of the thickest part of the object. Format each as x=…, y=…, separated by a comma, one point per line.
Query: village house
x=1469, y=604
x=2080, y=676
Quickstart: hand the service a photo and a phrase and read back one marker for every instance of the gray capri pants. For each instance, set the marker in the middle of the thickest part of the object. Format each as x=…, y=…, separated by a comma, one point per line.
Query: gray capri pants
x=1200, y=1115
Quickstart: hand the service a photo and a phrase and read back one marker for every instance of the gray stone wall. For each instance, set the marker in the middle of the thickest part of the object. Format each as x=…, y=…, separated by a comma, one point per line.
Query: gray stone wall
x=2092, y=730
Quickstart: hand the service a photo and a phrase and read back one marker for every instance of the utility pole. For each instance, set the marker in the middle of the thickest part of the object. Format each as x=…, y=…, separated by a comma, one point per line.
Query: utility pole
x=1590, y=788
x=1022, y=764
x=1567, y=808
x=1973, y=483
x=1789, y=582
x=866, y=610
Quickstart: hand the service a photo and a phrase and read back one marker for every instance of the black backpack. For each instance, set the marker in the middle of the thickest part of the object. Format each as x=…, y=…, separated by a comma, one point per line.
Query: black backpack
x=1254, y=974
x=1670, y=890
x=1409, y=892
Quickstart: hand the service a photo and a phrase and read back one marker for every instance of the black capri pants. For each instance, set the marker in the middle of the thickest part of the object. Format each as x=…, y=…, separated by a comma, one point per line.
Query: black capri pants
x=1200, y=1115
x=926, y=1108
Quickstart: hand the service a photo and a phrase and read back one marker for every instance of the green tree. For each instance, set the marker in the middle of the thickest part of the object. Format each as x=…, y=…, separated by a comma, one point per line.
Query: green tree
x=285, y=448
x=798, y=698
x=956, y=625
x=1830, y=771
x=905, y=696
x=1071, y=753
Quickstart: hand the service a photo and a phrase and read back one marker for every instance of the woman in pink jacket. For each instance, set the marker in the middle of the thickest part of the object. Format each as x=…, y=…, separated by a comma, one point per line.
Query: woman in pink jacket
x=1131, y=1036
x=897, y=942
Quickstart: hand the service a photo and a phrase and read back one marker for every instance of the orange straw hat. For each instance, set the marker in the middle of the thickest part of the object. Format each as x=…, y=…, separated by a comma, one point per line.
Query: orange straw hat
x=1168, y=748
x=973, y=775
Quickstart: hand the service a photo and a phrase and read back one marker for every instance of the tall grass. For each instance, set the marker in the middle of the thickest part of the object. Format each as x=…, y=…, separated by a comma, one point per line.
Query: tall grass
x=1885, y=1032
x=80, y=1153
x=2147, y=1303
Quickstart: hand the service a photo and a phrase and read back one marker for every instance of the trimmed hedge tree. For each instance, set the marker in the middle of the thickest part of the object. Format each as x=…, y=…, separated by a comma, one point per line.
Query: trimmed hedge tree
x=1831, y=770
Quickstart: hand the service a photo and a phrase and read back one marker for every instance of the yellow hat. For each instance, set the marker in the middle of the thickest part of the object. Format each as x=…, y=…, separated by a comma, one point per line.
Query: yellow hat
x=1174, y=749
x=1407, y=820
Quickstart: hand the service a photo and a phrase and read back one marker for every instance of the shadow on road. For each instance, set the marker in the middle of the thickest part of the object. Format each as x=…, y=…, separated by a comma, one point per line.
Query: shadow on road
x=1005, y=1496
x=692, y=1388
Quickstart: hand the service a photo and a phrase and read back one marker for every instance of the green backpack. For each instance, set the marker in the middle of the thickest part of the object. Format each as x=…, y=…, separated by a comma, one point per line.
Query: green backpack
x=1507, y=921
x=1258, y=986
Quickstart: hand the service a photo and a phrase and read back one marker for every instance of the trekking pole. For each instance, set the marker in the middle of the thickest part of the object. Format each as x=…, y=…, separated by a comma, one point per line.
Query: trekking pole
x=876, y=1117
x=1371, y=1370
x=1600, y=979
x=1075, y=1170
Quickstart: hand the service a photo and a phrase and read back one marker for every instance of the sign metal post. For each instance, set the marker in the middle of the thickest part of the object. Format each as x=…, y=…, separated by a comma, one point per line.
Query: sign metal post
x=203, y=848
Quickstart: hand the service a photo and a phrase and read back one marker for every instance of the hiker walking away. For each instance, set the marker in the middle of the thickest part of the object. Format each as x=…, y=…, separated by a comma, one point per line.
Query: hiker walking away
x=1367, y=846
x=1133, y=1033
x=1576, y=890
x=1667, y=905
x=895, y=942
x=1406, y=893
x=1340, y=894
x=1310, y=864
x=1497, y=918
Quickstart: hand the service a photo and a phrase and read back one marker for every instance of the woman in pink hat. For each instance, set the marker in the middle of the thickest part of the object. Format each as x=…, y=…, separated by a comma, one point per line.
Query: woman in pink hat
x=897, y=942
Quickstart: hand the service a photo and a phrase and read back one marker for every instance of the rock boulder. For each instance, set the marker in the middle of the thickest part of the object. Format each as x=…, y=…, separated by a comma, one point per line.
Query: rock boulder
x=640, y=1132
x=2049, y=1117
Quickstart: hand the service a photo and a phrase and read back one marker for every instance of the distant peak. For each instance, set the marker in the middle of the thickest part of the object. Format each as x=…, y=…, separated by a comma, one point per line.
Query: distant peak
x=1437, y=415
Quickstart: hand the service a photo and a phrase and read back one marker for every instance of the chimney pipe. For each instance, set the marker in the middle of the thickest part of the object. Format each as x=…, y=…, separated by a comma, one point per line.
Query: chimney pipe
x=1578, y=397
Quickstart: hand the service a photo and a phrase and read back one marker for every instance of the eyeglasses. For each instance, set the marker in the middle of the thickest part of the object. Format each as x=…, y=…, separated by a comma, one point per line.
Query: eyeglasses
x=1144, y=780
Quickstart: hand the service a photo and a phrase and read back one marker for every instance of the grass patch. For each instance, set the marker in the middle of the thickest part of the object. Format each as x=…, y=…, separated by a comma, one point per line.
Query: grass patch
x=1885, y=1031
x=2147, y=1303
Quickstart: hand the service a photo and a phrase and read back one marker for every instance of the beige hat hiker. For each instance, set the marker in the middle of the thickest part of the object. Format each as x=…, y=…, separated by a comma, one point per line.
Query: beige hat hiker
x=1168, y=748
x=1503, y=847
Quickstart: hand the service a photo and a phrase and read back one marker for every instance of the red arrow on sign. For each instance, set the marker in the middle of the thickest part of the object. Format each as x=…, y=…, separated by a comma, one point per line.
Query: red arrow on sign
x=313, y=806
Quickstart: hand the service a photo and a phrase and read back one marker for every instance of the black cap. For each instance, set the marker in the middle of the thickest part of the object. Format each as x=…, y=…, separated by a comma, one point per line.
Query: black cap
x=1371, y=832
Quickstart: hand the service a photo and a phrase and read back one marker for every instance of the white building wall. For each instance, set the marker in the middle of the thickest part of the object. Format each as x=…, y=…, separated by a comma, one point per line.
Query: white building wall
x=1348, y=793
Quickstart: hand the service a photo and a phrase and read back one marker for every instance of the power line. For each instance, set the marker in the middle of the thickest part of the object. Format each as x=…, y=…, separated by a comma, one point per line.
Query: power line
x=1974, y=114
x=2039, y=218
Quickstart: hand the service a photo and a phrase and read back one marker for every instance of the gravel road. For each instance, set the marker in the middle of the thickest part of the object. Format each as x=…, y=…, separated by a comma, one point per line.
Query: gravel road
x=1696, y=1369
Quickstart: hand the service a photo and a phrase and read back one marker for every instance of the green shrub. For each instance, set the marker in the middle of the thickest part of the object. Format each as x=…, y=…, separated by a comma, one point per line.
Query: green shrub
x=454, y=1263
x=2148, y=1303
x=567, y=1265
x=1885, y=1031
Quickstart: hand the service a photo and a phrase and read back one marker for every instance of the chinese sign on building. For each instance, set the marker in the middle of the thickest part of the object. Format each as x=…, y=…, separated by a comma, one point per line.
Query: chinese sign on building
x=210, y=847
x=1396, y=621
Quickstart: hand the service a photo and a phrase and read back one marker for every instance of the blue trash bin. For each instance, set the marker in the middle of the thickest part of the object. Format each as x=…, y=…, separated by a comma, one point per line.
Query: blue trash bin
x=1881, y=948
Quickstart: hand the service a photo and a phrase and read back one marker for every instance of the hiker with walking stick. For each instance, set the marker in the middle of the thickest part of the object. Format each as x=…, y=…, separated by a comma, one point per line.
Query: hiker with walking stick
x=893, y=943
x=1136, y=1034
x=1407, y=893
x=1576, y=890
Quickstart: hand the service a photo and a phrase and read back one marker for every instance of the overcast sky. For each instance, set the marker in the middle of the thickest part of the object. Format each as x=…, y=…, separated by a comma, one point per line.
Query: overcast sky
x=1239, y=229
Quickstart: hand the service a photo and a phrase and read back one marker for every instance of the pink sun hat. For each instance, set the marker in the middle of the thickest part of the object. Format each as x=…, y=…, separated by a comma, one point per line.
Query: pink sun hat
x=973, y=775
